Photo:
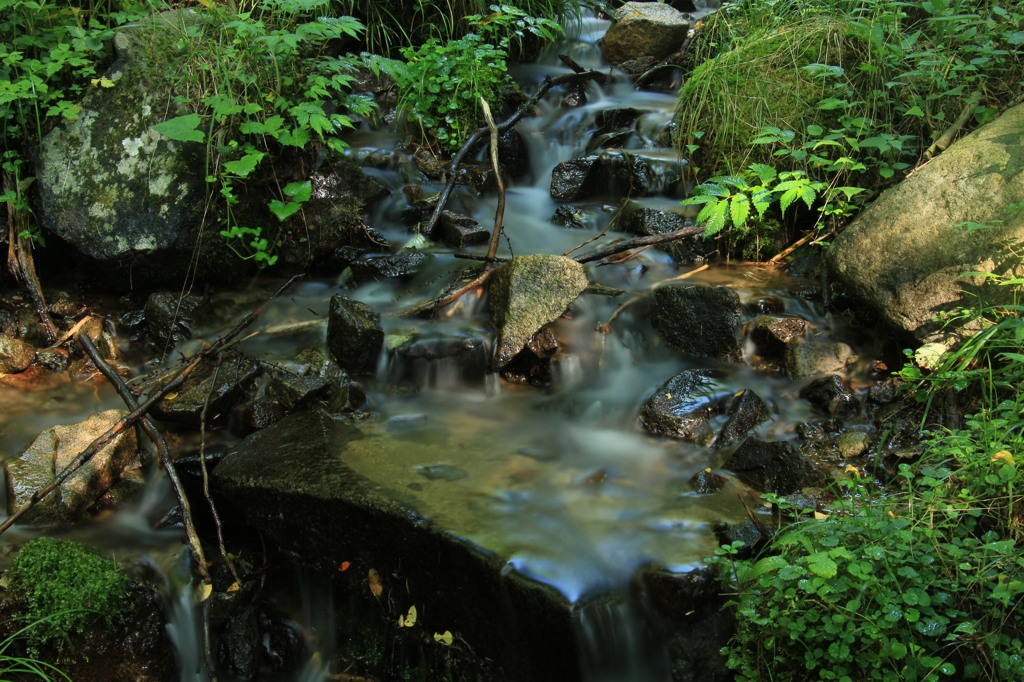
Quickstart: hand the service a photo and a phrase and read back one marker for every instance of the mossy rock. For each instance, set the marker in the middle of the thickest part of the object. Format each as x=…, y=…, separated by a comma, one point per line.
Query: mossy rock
x=761, y=82
x=67, y=588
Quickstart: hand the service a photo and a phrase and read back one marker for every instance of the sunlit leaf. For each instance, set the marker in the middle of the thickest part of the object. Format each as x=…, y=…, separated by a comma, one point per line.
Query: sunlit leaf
x=203, y=592
x=182, y=128
x=409, y=619
x=376, y=586
x=445, y=637
x=1003, y=456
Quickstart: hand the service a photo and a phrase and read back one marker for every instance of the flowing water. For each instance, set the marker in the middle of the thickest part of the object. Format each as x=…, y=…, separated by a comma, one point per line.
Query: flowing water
x=561, y=481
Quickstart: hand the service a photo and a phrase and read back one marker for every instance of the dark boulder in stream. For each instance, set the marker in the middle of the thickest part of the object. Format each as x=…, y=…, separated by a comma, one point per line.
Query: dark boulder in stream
x=683, y=405
x=700, y=321
x=773, y=467
x=611, y=173
x=354, y=335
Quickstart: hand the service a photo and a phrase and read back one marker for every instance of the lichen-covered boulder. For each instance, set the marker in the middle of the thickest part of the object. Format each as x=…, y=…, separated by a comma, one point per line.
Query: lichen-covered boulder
x=53, y=450
x=109, y=184
x=906, y=253
x=644, y=29
x=527, y=293
x=700, y=321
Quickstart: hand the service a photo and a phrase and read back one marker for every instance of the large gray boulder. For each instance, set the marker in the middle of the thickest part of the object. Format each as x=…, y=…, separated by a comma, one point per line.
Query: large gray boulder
x=906, y=253
x=644, y=29
x=110, y=185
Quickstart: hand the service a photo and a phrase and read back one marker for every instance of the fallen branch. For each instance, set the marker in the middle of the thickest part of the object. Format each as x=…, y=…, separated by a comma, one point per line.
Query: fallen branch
x=499, y=213
x=478, y=135
x=20, y=262
x=637, y=242
x=798, y=243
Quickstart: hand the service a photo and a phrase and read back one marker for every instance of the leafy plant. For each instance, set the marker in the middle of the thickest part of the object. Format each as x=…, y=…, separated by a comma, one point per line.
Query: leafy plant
x=260, y=82
x=66, y=587
x=441, y=83
x=14, y=664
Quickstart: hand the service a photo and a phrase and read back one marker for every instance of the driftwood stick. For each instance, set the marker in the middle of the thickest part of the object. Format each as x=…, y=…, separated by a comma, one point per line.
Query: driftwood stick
x=163, y=453
x=636, y=242
x=478, y=135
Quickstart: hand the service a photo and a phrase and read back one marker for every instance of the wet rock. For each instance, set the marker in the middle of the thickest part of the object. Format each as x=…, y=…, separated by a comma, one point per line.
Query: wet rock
x=852, y=444
x=614, y=128
x=830, y=395
x=769, y=305
x=700, y=321
x=478, y=176
x=292, y=390
x=297, y=483
x=345, y=394
x=53, y=359
x=905, y=255
x=354, y=335
x=527, y=293
x=440, y=472
x=746, y=411
x=259, y=414
x=747, y=532
x=532, y=365
x=171, y=316
x=213, y=388
x=706, y=482
x=814, y=358
x=439, y=361
x=610, y=174
x=386, y=267
x=15, y=354
x=884, y=392
x=131, y=191
x=772, y=467
x=429, y=163
x=682, y=406
x=459, y=230
x=570, y=216
x=513, y=153
x=644, y=221
x=772, y=334
x=54, y=449
x=644, y=29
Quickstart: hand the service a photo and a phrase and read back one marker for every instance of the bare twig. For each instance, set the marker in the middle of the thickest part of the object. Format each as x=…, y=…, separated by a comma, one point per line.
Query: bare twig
x=810, y=236
x=20, y=262
x=499, y=213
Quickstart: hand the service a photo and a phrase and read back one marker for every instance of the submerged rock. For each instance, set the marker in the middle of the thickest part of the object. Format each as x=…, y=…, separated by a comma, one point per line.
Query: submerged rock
x=527, y=293
x=54, y=449
x=354, y=335
x=831, y=395
x=773, y=467
x=644, y=29
x=700, y=321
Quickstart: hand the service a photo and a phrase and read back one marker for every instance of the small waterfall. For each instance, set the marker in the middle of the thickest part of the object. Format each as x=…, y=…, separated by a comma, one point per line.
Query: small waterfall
x=614, y=643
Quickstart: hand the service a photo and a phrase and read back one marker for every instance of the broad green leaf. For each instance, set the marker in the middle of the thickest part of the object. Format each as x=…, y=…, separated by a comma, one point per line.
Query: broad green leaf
x=299, y=191
x=915, y=111
x=245, y=165
x=182, y=128
x=764, y=172
x=282, y=210
x=821, y=565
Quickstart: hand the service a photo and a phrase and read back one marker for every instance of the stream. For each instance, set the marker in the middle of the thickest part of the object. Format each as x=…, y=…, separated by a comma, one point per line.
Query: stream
x=559, y=482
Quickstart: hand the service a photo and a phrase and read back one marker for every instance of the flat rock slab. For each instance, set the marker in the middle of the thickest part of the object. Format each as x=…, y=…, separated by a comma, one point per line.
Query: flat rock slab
x=494, y=534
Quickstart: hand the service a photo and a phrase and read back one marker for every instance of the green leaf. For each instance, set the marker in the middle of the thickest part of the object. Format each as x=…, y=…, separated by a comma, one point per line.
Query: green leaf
x=822, y=565
x=245, y=165
x=282, y=210
x=739, y=210
x=915, y=111
x=299, y=191
x=182, y=128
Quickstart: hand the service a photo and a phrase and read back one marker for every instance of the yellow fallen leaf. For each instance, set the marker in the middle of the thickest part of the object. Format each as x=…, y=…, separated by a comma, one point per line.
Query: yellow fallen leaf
x=668, y=396
x=203, y=592
x=376, y=586
x=409, y=619
x=819, y=516
x=850, y=469
x=1003, y=456
x=206, y=3
x=444, y=637
x=234, y=587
